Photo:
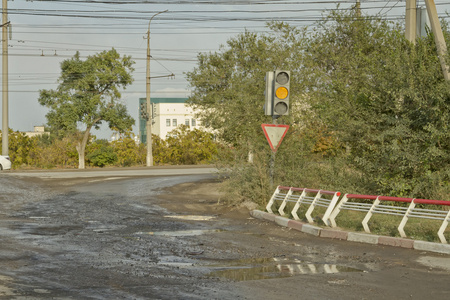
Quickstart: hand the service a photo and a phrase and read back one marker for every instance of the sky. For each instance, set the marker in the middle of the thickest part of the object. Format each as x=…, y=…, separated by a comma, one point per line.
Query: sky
x=44, y=33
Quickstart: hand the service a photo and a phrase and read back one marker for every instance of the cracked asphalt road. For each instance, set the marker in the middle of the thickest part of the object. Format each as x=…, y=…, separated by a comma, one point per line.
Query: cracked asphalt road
x=171, y=237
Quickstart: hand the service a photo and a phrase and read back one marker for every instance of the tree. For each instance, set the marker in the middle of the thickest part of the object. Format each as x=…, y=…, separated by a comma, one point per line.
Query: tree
x=387, y=100
x=228, y=86
x=369, y=110
x=189, y=147
x=88, y=93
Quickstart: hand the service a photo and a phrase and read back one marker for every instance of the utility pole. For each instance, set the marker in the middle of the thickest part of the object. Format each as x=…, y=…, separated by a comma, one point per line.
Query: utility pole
x=5, y=127
x=358, y=8
x=410, y=21
x=149, y=105
x=438, y=37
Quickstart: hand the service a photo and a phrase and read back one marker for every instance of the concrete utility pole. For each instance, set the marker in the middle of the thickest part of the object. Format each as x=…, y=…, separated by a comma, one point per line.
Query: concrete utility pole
x=438, y=37
x=149, y=105
x=358, y=8
x=5, y=127
x=410, y=21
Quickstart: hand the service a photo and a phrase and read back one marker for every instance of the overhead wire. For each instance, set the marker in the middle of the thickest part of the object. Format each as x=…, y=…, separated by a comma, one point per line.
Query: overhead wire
x=175, y=18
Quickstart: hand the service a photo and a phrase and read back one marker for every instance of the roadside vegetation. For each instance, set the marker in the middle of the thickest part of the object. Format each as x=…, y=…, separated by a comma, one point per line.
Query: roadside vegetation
x=48, y=152
x=369, y=111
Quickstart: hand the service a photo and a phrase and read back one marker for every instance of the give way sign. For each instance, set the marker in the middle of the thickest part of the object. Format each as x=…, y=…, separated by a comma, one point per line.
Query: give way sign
x=274, y=134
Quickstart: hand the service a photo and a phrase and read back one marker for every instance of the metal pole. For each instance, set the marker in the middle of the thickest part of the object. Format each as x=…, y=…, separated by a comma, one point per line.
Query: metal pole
x=149, y=106
x=272, y=158
x=5, y=127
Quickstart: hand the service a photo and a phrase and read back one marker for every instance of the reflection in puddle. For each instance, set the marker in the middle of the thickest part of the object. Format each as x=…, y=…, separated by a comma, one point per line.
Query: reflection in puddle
x=191, y=217
x=274, y=268
x=193, y=232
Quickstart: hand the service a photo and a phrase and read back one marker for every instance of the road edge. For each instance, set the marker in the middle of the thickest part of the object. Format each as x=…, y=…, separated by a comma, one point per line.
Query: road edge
x=351, y=236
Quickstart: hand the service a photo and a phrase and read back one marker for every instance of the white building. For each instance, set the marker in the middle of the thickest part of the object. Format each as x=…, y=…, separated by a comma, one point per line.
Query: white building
x=38, y=131
x=168, y=114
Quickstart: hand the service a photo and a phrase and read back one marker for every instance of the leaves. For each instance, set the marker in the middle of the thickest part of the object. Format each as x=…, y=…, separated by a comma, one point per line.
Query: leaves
x=88, y=93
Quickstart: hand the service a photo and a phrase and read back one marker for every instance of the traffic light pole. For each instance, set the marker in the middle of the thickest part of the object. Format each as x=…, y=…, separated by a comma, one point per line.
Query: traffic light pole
x=272, y=158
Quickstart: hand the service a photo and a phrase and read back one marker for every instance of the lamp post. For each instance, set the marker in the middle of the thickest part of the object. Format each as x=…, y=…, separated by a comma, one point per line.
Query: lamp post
x=149, y=106
x=5, y=126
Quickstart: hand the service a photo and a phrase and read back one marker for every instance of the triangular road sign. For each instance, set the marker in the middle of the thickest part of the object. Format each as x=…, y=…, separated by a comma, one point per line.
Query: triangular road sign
x=274, y=134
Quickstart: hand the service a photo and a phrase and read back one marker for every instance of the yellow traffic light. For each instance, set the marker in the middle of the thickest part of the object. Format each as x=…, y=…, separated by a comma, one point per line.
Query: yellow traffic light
x=281, y=92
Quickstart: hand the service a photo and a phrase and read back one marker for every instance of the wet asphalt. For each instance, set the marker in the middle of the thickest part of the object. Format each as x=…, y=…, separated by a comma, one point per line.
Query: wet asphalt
x=146, y=237
x=100, y=240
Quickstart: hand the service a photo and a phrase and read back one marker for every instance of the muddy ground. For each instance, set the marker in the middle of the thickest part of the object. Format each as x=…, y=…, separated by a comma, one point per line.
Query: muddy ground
x=173, y=238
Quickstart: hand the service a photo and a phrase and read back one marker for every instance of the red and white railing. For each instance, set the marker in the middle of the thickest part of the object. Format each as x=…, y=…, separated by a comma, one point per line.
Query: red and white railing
x=304, y=196
x=378, y=206
x=429, y=209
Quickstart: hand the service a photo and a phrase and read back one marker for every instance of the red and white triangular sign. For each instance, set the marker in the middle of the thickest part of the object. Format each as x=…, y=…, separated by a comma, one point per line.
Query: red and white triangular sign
x=274, y=134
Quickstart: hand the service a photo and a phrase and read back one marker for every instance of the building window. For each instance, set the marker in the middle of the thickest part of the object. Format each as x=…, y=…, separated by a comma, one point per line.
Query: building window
x=194, y=123
x=174, y=122
x=168, y=122
x=186, y=122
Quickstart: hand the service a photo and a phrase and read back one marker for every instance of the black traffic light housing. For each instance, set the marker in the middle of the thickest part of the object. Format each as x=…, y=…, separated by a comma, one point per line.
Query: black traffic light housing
x=143, y=111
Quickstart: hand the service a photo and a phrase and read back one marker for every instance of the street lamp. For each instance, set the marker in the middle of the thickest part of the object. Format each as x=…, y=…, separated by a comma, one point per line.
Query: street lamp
x=5, y=126
x=149, y=106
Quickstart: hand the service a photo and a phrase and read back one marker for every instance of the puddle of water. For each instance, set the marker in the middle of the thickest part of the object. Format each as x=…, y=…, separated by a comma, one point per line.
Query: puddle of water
x=193, y=232
x=268, y=268
x=191, y=217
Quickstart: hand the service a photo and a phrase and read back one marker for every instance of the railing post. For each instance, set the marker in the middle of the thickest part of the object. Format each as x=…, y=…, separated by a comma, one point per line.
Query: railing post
x=283, y=204
x=405, y=219
x=337, y=210
x=330, y=208
x=443, y=227
x=297, y=205
x=369, y=215
x=311, y=208
x=272, y=200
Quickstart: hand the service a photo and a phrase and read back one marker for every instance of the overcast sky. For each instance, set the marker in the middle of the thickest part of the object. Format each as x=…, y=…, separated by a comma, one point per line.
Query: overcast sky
x=44, y=33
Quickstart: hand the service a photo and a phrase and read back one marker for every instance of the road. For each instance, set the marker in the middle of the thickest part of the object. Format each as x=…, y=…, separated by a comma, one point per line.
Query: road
x=117, y=235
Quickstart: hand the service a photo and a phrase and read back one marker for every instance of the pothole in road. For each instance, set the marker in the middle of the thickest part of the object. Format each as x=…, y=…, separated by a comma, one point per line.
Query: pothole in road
x=269, y=268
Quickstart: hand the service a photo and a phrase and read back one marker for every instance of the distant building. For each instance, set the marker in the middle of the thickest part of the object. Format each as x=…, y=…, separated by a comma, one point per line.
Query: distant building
x=168, y=114
x=38, y=131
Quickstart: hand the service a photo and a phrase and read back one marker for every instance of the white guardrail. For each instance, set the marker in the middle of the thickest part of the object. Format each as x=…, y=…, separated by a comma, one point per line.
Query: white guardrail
x=304, y=196
x=366, y=203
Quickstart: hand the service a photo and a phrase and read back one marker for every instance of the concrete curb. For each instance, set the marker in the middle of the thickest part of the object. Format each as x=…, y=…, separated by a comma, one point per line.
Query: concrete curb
x=351, y=236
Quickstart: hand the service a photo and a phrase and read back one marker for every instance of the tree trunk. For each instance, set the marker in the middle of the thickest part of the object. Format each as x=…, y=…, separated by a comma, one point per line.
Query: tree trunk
x=81, y=147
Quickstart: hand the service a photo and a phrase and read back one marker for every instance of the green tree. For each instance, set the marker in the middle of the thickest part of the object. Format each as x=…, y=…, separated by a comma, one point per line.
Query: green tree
x=228, y=86
x=386, y=99
x=88, y=93
x=369, y=110
x=21, y=148
x=101, y=153
x=189, y=147
x=128, y=152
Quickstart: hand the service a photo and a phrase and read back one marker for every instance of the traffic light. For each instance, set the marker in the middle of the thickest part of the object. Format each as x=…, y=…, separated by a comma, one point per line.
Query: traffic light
x=143, y=111
x=281, y=92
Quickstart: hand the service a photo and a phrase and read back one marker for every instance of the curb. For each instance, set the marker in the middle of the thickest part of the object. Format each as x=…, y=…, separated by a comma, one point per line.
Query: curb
x=351, y=236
